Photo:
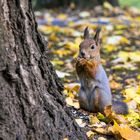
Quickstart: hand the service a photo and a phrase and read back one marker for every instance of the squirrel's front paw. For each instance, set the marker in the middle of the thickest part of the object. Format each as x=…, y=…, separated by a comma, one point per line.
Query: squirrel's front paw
x=83, y=61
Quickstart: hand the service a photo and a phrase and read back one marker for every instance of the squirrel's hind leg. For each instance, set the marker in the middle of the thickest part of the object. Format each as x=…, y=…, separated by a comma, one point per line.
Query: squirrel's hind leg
x=83, y=100
x=94, y=100
x=105, y=100
x=101, y=100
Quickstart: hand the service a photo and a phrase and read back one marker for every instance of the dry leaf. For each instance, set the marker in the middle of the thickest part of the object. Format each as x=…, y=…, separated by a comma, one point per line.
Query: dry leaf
x=80, y=122
x=102, y=138
x=125, y=132
x=93, y=119
x=108, y=110
x=115, y=85
x=66, y=139
x=73, y=103
x=90, y=134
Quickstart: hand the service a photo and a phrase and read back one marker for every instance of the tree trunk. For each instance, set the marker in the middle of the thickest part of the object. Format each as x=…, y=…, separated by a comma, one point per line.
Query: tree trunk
x=32, y=106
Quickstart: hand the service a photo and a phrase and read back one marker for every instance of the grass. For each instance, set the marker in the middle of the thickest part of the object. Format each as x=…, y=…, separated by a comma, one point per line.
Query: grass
x=133, y=3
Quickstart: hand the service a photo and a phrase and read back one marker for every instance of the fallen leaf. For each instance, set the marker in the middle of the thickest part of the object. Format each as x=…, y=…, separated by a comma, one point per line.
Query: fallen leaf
x=84, y=14
x=125, y=132
x=108, y=110
x=90, y=134
x=133, y=56
x=93, y=119
x=61, y=52
x=110, y=47
x=53, y=37
x=57, y=62
x=73, y=103
x=62, y=74
x=80, y=122
x=66, y=139
x=115, y=85
x=62, y=16
x=102, y=138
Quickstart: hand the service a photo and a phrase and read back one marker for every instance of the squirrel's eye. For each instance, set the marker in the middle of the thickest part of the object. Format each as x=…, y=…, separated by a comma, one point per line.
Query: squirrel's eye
x=93, y=47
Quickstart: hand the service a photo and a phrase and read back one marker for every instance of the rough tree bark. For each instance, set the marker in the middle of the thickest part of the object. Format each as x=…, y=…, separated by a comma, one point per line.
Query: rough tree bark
x=32, y=106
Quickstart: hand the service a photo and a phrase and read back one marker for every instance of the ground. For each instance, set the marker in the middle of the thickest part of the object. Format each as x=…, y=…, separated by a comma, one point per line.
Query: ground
x=134, y=3
x=120, y=57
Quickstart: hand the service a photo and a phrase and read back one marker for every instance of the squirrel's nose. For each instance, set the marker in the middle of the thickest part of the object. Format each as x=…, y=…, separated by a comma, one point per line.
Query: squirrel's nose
x=82, y=54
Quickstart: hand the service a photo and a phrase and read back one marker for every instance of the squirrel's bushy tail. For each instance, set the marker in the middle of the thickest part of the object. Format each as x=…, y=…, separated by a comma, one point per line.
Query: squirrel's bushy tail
x=120, y=107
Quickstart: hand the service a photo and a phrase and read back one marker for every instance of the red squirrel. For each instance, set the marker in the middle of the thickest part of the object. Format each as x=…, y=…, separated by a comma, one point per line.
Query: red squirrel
x=95, y=93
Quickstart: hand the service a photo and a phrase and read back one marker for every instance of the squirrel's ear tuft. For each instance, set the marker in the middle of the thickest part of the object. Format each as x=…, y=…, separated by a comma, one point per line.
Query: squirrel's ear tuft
x=86, y=33
x=97, y=35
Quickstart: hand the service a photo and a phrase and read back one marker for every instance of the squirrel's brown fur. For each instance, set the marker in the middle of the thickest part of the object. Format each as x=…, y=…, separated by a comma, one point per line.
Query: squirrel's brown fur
x=87, y=67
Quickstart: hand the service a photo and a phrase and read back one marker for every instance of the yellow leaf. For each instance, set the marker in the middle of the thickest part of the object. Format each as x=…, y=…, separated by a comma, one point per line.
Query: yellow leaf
x=108, y=6
x=128, y=66
x=53, y=37
x=133, y=56
x=84, y=14
x=70, y=102
x=62, y=16
x=118, y=32
x=102, y=138
x=124, y=40
x=138, y=91
x=71, y=90
x=76, y=105
x=110, y=47
x=73, y=86
x=66, y=139
x=101, y=130
x=125, y=132
x=57, y=62
x=49, y=29
x=133, y=117
x=121, y=26
x=132, y=93
x=61, y=52
x=100, y=116
x=93, y=119
x=43, y=29
x=137, y=99
x=72, y=46
x=76, y=88
x=69, y=93
x=90, y=134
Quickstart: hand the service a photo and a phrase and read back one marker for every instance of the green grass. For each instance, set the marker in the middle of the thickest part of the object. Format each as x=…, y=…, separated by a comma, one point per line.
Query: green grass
x=134, y=3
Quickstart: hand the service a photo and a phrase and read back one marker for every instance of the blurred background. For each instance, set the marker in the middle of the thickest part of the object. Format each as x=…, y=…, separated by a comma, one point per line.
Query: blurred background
x=82, y=3
x=62, y=23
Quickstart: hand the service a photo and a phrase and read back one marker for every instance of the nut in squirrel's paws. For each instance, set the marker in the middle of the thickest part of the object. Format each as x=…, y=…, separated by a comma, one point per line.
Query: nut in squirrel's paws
x=86, y=62
x=81, y=61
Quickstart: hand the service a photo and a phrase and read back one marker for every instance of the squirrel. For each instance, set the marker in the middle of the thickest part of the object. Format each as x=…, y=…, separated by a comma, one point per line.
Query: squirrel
x=95, y=93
